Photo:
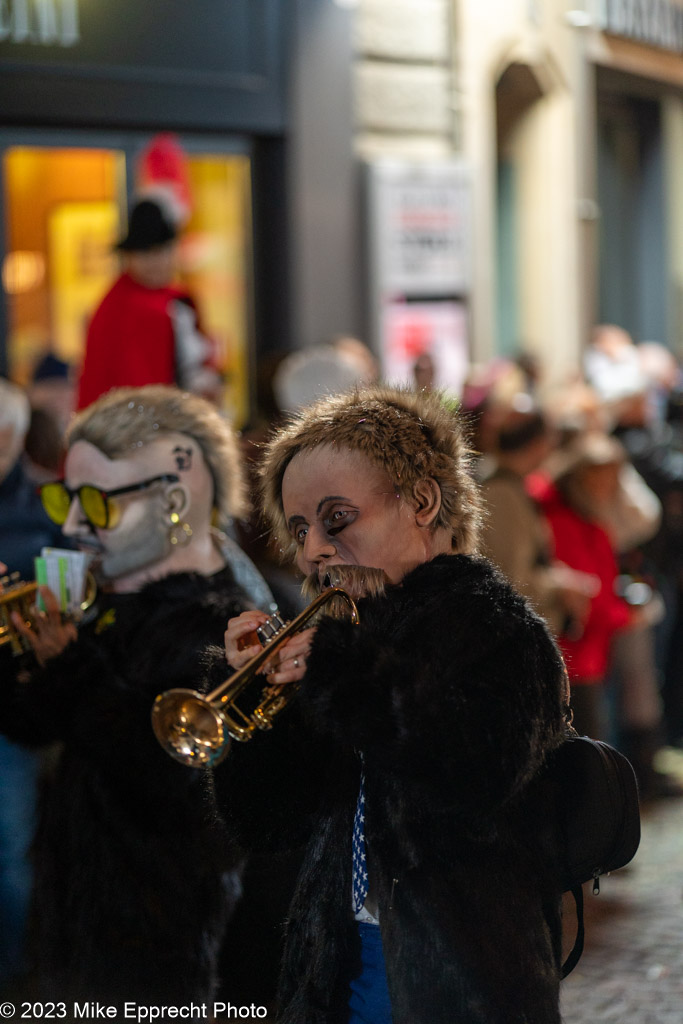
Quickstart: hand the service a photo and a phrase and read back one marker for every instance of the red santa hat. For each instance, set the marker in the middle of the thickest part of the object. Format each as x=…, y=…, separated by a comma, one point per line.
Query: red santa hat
x=163, y=174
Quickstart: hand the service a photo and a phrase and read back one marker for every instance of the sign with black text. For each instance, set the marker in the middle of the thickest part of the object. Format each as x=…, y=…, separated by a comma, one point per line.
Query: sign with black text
x=420, y=227
x=419, y=245
x=653, y=22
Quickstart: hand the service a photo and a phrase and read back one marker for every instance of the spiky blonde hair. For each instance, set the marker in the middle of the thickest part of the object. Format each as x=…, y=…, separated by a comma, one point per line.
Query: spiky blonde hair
x=410, y=436
x=126, y=417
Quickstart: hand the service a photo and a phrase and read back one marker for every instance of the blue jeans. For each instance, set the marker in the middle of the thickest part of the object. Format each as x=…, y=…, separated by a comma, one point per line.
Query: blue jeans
x=369, y=1000
x=18, y=781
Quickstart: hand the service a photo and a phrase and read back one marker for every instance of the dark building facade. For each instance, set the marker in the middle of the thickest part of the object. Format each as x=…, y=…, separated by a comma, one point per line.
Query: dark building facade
x=242, y=85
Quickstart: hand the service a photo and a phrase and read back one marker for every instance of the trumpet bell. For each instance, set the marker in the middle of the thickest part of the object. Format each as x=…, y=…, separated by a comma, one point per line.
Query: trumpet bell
x=189, y=728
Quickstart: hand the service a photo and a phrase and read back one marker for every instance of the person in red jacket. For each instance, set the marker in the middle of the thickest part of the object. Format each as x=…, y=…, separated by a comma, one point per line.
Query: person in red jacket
x=145, y=330
x=584, y=474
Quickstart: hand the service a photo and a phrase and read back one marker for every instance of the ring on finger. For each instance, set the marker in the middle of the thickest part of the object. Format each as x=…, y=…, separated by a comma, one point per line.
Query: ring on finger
x=296, y=663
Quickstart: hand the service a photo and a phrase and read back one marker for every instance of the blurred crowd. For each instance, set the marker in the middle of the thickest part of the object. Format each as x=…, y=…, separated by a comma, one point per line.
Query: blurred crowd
x=584, y=486
x=583, y=482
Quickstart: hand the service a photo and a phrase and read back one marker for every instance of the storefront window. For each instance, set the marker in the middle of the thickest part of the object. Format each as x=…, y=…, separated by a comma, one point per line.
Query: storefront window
x=65, y=208
x=214, y=259
x=62, y=215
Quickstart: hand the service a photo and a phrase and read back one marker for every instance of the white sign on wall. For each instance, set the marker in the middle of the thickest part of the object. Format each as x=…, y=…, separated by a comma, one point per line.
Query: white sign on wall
x=420, y=227
x=420, y=268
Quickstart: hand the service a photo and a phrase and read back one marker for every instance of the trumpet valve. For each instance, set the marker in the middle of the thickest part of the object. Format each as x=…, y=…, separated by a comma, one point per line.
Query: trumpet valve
x=262, y=634
x=270, y=629
x=271, y=705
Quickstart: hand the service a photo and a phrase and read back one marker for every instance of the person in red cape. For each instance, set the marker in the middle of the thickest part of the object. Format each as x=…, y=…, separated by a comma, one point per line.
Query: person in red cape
x=583, y=473
x=146, y=330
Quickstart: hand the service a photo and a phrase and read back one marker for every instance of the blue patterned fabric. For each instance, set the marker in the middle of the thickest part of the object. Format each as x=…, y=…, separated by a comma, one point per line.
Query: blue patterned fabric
x=360, y=867
x=369, y=1001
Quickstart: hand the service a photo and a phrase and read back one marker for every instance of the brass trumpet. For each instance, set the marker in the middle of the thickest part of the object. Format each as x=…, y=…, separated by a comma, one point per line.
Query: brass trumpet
x=196, y=729
x=16, y=595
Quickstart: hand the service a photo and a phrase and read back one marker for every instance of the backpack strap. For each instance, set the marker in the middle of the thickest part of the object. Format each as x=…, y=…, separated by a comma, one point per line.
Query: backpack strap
x=577, y=949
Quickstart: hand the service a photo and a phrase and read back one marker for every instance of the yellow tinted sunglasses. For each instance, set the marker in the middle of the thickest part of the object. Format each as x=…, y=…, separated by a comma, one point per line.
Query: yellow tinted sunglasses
x=98, y=507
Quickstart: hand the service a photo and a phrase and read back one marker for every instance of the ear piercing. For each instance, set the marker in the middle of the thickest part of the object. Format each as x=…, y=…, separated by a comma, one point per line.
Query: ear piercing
x=180, y=533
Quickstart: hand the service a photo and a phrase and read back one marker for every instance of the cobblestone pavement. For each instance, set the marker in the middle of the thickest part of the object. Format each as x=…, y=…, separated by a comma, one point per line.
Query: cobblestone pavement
x=631, y=971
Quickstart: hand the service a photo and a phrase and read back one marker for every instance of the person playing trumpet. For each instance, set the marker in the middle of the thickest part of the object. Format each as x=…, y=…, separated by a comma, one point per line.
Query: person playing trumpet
x=134, y=876
x=24, y=530
x=426, y=893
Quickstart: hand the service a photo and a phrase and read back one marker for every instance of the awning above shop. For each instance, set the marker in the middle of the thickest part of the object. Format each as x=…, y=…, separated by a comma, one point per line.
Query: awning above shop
x=207, y=66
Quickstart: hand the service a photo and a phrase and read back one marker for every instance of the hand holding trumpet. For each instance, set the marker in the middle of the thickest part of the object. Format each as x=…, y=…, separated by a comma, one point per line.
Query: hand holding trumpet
x=288, y=664
x=48, y=634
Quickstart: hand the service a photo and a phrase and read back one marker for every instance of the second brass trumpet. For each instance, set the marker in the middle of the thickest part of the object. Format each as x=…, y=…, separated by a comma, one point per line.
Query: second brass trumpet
x=17, y=595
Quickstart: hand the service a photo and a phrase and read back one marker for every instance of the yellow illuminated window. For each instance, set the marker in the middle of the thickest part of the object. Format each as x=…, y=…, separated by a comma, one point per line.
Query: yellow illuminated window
x=214, y=259
x=62, y=214
x=65, y=210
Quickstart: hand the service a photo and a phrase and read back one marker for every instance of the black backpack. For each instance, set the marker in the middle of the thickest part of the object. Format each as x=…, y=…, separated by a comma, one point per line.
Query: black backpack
x=598, y=817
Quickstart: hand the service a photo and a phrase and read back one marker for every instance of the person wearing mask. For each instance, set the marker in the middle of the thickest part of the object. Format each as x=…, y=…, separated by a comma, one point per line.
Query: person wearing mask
x=134, y=875
x=427, y=891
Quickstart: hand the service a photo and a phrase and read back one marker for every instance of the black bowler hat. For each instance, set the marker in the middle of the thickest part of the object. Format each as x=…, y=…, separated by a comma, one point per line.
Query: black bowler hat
x=148, y=227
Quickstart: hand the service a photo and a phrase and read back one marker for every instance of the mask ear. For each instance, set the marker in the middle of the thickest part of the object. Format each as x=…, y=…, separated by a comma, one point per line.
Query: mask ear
x=178, y=499
x=427, y=498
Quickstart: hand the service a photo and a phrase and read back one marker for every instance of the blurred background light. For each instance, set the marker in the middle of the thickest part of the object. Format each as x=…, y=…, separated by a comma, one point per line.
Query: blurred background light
x=22, y=271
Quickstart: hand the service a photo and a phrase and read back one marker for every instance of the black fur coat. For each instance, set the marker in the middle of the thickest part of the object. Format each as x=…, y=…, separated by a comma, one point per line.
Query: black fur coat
x=453, y=690
x=133, y=876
